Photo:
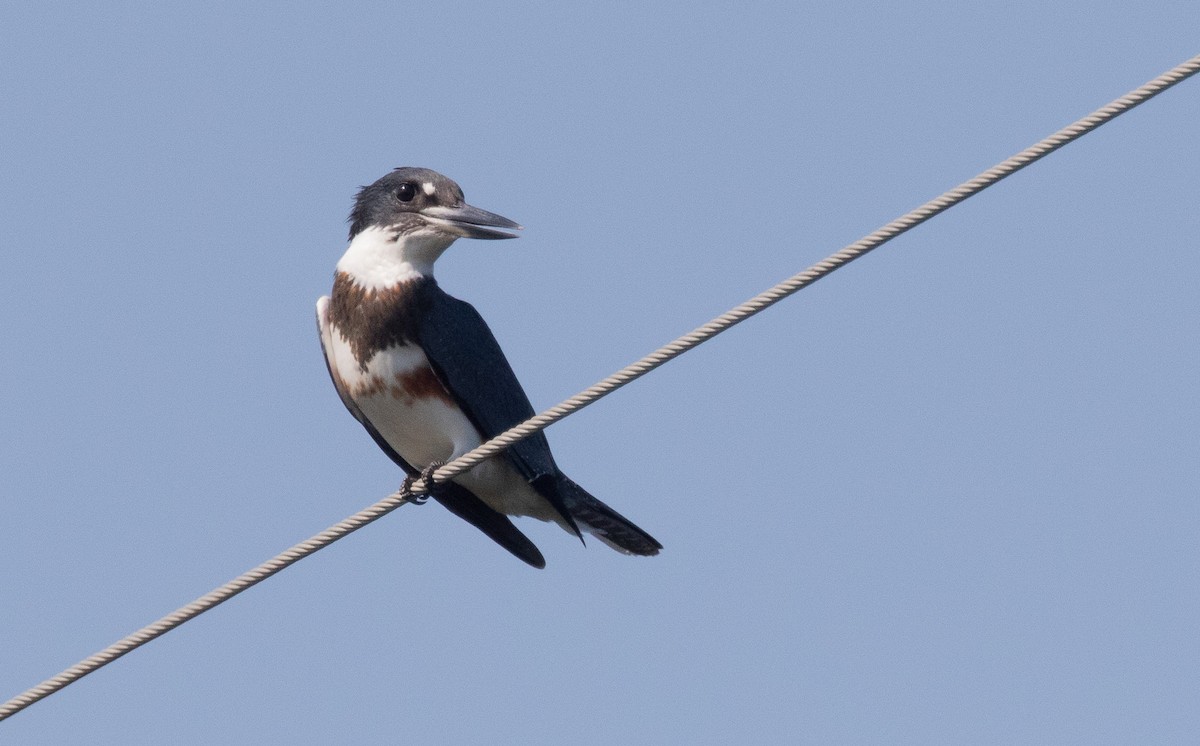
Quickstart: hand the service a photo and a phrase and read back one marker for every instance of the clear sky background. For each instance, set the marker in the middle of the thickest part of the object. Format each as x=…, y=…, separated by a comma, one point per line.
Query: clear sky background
x=947, y=495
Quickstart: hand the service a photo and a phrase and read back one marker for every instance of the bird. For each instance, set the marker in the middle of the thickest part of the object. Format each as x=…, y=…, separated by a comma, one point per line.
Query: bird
x=425, y=376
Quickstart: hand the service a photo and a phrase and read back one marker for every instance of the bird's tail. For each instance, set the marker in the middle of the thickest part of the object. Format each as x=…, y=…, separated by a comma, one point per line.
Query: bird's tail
x=604, y=523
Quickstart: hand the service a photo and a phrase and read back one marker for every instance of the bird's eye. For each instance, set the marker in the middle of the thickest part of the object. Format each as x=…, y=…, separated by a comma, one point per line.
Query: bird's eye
x=406, y=191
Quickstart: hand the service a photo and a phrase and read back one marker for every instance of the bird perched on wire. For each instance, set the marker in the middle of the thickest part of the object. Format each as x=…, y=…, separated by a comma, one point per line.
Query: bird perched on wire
x=423, y=374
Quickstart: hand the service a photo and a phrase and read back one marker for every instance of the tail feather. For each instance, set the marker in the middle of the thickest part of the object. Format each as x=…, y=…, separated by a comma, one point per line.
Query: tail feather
x=604, y=523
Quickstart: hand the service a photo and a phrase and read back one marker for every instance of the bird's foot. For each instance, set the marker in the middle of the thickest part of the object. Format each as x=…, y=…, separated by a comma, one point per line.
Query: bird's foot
x=426, y=477
x=416, y=498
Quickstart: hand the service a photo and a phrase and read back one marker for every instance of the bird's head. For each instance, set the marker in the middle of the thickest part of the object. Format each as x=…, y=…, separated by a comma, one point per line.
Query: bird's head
x=426, y=206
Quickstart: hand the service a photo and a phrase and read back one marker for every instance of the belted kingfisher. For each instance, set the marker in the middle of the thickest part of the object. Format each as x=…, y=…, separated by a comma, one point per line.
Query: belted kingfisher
x=423, y=374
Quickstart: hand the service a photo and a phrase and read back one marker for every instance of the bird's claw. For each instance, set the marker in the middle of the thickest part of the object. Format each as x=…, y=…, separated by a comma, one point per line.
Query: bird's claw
x=426, y=476
x=416, y=498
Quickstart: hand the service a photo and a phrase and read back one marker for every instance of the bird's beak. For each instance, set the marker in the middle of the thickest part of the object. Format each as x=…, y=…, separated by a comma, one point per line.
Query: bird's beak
x=469, y=222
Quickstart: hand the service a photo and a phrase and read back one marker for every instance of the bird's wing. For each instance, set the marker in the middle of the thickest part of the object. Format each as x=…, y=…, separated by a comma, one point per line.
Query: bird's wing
x=470, y=364
x=458, y=500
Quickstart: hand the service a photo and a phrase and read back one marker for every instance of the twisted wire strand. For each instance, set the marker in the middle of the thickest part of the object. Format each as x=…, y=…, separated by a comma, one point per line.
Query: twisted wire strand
x=817, y=271
x=608, y=385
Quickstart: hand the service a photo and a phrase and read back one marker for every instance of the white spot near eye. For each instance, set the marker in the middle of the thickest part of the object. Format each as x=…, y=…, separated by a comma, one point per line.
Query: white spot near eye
x=429, y=188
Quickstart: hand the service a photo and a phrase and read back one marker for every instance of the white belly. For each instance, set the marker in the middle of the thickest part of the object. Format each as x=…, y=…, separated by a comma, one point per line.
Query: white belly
x=403, y=400
x=420, y=424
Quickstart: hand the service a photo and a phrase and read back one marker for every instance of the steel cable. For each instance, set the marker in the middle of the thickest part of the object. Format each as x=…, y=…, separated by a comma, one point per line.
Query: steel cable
x=609, y=384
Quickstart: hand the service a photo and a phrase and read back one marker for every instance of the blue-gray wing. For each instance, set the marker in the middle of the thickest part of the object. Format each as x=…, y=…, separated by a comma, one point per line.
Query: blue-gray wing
x=470, y=364
x=468, y=361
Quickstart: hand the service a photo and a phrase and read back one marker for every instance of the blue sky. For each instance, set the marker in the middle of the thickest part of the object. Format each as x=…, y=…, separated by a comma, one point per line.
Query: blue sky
x=948, y=494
